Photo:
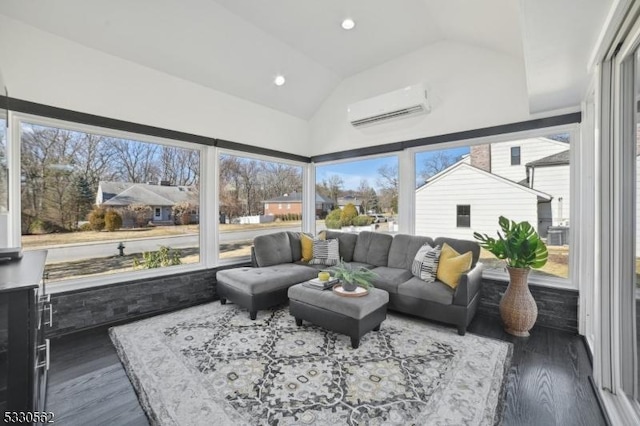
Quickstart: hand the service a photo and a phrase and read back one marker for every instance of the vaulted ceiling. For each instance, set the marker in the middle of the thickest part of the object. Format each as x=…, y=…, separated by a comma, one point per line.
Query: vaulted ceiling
x=239, y=46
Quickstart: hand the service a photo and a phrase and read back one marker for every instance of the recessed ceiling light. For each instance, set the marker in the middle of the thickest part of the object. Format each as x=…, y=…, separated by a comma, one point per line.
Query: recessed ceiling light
x=279, y=80
x=348, y=24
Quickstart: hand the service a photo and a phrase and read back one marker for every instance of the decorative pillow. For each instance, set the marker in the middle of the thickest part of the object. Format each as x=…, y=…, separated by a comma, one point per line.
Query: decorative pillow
x=452, y=265
x=325, y=252
x=425, y=264
x=306, y=245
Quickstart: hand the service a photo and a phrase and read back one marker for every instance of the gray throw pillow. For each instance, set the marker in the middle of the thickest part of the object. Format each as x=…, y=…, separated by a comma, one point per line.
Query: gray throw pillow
x=425, y=264
x=325, y=252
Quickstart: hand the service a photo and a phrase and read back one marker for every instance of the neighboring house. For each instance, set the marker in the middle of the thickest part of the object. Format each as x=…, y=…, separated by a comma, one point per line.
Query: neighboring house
x=350, y=199
x=159, y=197
x=551, y=175
x=292, y=203
x=537, y=164
x=464, y=199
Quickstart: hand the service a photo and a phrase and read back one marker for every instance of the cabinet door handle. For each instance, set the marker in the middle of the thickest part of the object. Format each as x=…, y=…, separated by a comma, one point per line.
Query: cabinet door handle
x=47, y=349
x=49, y=308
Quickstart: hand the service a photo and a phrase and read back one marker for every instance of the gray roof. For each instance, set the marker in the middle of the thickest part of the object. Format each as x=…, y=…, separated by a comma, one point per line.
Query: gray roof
x=552, y=160
x=296, y=197
x=126, y=193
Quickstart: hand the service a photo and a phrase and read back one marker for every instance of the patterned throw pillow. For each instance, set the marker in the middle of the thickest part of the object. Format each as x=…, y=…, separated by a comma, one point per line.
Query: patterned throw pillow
x=325, y=252
x=425, y=264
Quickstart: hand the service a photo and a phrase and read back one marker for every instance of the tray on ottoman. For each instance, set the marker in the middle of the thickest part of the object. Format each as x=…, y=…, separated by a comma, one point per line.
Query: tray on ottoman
x=353, y=316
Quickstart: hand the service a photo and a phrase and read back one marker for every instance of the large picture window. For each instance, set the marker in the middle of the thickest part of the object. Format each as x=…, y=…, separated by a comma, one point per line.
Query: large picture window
x=482, y=179
x=103, y=205
x=257, y=197
x=358, y=194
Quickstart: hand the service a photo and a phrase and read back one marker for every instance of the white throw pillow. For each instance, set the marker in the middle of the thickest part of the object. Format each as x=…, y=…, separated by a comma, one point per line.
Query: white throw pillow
x=425, y=264
x=325, y=252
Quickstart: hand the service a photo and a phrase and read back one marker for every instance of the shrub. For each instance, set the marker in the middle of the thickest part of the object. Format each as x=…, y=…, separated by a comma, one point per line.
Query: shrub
x=166, y=256
x=140, y=213
x=333, y=219
x=96, y=218
x=349, y=212
x=112, y=220
x=85, y=227
x=362, y=220
x=39, y=226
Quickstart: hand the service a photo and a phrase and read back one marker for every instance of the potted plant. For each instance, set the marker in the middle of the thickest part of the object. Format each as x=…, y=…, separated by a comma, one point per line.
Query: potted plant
x=353, y=277
x=522, y=249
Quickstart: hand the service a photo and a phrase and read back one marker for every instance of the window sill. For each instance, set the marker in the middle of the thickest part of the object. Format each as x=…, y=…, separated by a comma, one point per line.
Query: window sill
x=107, y=280
x=542, y=281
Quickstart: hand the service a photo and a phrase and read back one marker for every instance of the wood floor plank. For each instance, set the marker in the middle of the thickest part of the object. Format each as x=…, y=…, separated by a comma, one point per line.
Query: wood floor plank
x=547, y=383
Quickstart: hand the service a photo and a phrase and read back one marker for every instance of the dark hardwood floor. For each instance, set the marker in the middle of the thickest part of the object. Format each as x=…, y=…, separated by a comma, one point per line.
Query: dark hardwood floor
x=547, y=384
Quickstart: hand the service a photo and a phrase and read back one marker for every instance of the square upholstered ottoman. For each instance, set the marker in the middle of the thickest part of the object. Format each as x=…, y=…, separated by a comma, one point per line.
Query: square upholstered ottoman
x=353, y=316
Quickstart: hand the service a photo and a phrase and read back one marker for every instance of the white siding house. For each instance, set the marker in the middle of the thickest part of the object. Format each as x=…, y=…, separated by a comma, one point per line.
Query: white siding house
x=530, y=150
x=487, y=196
x=551, y=175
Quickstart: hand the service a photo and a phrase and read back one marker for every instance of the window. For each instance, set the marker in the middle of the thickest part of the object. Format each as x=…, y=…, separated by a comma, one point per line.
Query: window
x=515, y=155
x=538, y=191
x=367, y=187
x=248, y=189
x=288, y=206
x=463, y=216
x=84, y=194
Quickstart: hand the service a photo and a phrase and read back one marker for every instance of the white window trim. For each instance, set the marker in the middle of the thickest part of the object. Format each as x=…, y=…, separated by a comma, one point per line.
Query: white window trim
x=495, y=274
x=15, y=237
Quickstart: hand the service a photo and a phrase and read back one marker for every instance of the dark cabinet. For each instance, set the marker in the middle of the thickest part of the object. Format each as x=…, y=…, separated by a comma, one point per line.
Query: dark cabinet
x=25, y=312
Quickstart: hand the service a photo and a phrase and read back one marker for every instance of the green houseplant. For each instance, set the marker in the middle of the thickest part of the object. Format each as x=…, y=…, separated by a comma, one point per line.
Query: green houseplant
x=522, y=249
x=353, y=277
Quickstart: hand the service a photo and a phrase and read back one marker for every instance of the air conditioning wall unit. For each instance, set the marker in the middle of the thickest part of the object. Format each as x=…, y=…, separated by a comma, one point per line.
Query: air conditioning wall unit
x=406, y=102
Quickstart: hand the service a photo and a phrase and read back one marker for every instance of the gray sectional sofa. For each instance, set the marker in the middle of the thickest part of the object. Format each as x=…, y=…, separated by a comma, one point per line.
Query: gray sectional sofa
x=277, y=266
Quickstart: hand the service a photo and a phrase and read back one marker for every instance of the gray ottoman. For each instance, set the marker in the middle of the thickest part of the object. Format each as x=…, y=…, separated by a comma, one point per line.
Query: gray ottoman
x=260, y=288
x=353, y=316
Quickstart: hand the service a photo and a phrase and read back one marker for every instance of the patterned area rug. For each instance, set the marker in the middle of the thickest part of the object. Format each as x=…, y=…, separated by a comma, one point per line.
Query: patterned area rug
x=212, y=365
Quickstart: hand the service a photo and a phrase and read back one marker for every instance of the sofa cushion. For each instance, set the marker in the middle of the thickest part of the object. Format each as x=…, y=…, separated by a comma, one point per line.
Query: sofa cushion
x=295, y=241
x=425, y=264
x=404, y=248
x=389, y=279
x=452, y=265
x=354, y=265
x=347, y=243
x=273, y=249
x=267, y=279
x=372, y=248
x=434, y=292
x=325, y=252
x=461, y=246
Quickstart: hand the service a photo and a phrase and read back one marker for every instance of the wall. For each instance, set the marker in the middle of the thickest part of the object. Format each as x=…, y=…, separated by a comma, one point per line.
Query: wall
x=530, y=150
x=468, y=87
x=554, y=180
x=488, y=196
x=557, y=308
x=44, y=68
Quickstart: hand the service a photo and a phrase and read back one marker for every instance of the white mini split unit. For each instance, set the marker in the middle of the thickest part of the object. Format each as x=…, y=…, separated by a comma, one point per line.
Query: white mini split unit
x=401, y=103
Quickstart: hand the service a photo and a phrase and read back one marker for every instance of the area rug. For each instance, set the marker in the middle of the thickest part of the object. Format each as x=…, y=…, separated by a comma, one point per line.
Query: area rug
x=211, y=364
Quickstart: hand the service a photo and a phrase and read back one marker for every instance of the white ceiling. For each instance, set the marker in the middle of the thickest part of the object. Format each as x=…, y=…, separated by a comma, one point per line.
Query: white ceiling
x=239, y=46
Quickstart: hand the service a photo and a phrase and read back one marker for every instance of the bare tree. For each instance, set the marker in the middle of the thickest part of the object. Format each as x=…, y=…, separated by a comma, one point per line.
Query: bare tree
x=333, y=186
x=435, y=163
x=368, y=196
x=389, y=182
x=137, y=160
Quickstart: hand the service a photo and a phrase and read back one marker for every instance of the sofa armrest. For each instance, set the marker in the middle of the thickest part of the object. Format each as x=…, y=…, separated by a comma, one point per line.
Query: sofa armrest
x=254, y=261
x=469, y=285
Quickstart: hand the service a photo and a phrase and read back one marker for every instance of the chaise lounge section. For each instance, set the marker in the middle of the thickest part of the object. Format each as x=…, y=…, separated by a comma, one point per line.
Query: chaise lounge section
x=277, y=266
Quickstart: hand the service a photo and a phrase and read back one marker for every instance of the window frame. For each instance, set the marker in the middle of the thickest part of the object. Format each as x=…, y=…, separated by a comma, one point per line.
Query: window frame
x=463, y=216
x=218, y=152
x=15, y=234
x=501, y=275
x=518, y=157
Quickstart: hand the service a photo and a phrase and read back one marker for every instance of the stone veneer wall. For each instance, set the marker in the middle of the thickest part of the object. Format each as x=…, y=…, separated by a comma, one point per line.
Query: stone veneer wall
x=557, y=308
x=116, y=303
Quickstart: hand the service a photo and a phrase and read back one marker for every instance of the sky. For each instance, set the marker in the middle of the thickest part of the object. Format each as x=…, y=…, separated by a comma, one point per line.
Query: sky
x=354, y=171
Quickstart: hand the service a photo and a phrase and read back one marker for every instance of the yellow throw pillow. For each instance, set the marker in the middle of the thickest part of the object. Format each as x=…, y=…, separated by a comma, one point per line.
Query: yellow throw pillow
x=452, y=265
x=306, y=244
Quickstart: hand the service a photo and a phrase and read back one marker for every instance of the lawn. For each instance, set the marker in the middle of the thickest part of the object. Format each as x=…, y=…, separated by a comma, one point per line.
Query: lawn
x=557, y=264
